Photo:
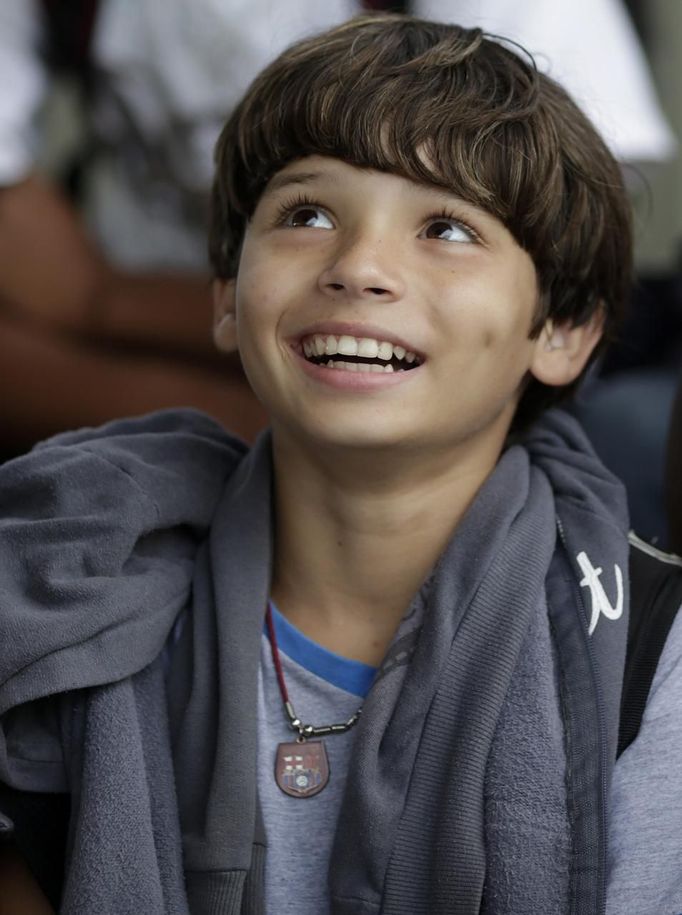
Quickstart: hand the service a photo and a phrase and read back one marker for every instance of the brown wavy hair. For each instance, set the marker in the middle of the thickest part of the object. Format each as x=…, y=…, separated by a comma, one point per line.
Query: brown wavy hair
x=458, y=109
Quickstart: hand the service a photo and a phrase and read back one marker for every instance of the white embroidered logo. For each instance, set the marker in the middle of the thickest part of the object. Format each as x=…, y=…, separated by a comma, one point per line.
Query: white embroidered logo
x=600, y=602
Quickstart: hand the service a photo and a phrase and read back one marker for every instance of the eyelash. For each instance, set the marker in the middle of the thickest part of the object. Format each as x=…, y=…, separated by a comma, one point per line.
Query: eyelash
x=289, y=206
x=447, y=216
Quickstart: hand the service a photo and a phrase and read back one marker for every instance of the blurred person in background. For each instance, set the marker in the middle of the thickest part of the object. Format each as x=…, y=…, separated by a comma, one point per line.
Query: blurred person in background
x=104, y=298
x=104, y=306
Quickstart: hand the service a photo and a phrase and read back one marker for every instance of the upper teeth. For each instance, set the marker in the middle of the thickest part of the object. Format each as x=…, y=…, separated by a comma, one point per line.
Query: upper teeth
x=330, y=345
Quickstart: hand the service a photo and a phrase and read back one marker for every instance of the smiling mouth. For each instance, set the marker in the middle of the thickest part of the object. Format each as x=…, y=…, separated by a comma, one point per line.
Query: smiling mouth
x=358, y=354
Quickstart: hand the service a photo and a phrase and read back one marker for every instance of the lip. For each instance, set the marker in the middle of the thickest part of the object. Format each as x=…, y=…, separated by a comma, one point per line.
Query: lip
x=354, y=329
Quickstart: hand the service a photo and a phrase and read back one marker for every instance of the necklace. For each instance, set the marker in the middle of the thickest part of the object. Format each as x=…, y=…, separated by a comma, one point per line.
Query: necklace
x=301, y=766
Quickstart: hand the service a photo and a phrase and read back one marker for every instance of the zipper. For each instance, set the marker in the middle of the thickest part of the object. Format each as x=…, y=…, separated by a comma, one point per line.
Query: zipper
x=601, y=722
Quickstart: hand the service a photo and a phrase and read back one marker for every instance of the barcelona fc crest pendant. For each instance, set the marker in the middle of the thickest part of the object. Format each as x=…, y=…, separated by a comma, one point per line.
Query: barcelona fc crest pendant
x=302, y=769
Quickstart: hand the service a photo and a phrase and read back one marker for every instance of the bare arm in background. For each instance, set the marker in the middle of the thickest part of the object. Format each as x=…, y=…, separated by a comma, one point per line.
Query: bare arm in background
x=19, y=891
x=81, y=342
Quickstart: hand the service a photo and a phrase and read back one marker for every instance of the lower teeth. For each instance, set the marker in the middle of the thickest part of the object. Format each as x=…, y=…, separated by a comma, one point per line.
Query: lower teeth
x=360, y=366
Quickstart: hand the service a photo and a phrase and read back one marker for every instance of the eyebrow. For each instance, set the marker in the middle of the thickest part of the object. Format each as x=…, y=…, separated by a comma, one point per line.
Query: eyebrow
x=445, y=196
x=281, y=181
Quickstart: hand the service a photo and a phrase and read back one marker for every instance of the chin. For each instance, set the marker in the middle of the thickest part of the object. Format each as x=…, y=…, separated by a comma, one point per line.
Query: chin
x=374, y=435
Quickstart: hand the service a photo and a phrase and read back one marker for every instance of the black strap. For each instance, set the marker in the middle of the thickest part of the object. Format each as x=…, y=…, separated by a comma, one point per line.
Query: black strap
x=386, y=6
x=67, y=49
x=655, y=597
x=69, y=30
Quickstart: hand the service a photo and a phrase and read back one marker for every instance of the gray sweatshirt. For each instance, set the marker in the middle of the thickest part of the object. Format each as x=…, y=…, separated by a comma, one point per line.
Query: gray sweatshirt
x=455, y=799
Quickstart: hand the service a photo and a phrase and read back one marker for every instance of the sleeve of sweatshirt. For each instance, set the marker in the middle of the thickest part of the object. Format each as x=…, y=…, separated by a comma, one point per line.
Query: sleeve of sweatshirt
x=98, y=532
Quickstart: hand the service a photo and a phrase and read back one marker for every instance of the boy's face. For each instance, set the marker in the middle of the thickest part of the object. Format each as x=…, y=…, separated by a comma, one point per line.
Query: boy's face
x=345, y=271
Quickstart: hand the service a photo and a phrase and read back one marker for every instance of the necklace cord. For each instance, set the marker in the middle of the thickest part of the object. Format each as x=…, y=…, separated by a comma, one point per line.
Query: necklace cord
x=275, y=655
x=304, y=730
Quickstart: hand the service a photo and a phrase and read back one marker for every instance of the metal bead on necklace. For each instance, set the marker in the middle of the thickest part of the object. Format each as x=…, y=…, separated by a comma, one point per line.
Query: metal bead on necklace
x=301, y=766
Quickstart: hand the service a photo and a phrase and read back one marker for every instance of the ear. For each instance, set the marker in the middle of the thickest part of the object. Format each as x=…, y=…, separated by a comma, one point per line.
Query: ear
x=561, y=350
x=224, y=316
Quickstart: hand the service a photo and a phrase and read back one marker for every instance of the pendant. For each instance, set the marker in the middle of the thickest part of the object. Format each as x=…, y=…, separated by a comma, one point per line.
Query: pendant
x=302, y=769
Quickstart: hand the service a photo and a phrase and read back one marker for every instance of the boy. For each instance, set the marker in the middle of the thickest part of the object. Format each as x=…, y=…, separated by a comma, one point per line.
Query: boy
x=419, y=242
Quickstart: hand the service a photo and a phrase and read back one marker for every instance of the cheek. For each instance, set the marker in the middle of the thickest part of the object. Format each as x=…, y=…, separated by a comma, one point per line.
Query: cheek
x=250, y=282
x=267, y=282
x=255, y=297
x=507, y=333
x=491, y=335
x=255, y=276
x=506, y=324
x=492, y=326
x=259, y=313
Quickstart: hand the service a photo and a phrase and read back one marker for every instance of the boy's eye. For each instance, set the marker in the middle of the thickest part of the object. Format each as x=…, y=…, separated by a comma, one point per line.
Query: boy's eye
x=447, y=229
x=310, y=217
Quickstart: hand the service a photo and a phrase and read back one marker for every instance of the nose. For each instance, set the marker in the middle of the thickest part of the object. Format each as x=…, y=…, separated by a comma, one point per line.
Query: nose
x=364, y=268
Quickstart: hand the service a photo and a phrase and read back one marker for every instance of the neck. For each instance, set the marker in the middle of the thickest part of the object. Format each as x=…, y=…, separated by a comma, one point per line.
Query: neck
x=355, y=538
